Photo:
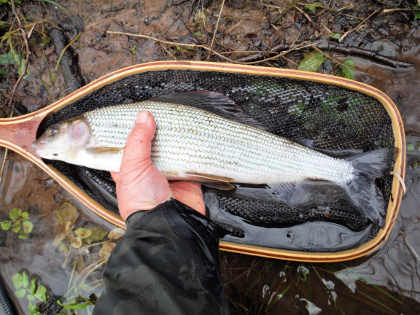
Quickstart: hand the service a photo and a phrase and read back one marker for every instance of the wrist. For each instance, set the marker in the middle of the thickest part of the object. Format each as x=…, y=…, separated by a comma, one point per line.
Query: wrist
x=130, y=207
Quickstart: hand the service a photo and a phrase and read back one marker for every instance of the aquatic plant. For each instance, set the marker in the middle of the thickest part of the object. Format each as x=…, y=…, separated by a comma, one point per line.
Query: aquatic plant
x=32, y=290
x=79, y=238
x=78, y=303
x=19, y=223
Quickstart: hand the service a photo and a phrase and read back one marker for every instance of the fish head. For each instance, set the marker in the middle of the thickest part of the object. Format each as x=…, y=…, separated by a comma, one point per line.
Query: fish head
x=62, y=141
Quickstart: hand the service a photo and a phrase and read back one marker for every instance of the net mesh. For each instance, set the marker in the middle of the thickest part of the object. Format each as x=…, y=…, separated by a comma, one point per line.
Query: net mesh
x=329, y=117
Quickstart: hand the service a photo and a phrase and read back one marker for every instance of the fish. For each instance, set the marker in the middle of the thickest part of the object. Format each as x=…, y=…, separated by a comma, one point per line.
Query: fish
x=205, y=136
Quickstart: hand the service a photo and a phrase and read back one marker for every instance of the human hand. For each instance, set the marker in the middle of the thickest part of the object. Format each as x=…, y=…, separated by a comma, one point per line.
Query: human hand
x=140, y=185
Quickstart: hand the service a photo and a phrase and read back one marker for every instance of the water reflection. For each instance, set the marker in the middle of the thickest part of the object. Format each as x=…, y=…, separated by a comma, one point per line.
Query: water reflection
x=52, y=250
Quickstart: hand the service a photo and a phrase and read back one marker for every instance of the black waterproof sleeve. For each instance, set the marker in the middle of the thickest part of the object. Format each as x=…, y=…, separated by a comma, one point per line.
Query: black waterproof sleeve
x=166, y=263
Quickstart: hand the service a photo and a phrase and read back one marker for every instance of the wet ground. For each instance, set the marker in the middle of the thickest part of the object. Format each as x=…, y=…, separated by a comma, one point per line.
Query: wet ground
x=64, y=247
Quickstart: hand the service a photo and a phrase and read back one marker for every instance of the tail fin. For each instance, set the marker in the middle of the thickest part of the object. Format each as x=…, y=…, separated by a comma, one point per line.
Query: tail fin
x=362, y=188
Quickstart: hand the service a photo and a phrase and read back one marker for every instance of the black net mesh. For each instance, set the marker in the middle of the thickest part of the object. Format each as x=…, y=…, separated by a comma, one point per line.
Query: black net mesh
x=326, y=116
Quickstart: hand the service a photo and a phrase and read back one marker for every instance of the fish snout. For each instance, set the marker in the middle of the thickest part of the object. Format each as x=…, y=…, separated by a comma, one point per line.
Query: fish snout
x=40, y=144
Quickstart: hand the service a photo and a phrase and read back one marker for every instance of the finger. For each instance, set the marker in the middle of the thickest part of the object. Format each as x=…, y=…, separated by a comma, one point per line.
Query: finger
x=115, y=176
x=139, y=142
x=190, y=194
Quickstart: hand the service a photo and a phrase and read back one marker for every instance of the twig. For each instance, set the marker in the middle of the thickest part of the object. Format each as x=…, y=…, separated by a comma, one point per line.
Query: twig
x=298, y=47
x=328, y=56
x=385, y=11
x=348, y=7
x=216, y=27
x=173, y=43
x=15, y=86
x=346, y=50
x=304, y=14
x=365, y=53
x=75, y=38
x=359, y=25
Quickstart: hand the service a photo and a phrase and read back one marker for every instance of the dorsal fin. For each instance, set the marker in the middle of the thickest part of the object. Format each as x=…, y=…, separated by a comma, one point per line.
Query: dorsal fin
x=213, y=102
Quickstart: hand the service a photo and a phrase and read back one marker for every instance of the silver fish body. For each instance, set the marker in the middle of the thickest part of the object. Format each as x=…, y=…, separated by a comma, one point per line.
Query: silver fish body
x=192, y=141
x=195, y=144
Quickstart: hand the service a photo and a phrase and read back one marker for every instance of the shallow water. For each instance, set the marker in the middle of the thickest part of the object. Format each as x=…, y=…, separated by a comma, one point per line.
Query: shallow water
x=51, y=252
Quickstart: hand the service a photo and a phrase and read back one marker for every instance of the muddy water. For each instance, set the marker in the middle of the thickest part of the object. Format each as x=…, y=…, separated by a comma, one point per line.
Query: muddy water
x=51, y=252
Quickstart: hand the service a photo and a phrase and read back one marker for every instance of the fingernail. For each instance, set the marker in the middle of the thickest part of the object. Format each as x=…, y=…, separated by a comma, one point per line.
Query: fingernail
x=142, y=118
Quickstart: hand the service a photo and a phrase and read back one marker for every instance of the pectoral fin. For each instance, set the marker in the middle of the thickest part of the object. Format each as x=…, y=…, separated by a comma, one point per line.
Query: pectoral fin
x=209, y=177
x=104, y=149
x=213, y=181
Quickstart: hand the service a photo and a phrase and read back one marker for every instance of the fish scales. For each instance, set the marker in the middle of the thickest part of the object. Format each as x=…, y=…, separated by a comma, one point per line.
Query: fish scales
x=194, y=144
x=190, y=139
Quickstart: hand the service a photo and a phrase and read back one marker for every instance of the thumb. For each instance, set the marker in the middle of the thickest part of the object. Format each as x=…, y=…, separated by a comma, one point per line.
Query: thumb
x=139, y=142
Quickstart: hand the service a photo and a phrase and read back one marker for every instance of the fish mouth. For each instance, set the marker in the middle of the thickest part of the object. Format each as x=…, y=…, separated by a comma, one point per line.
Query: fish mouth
x=37, y=147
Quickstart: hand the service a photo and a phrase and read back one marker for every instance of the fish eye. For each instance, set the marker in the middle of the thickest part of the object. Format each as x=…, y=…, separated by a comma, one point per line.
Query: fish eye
x=52, y=131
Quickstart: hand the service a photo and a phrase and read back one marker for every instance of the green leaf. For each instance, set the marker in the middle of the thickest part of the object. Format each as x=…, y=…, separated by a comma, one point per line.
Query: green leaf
x=15, y=213
x=17, y=280
x=33, y=286
x=22, y=236
x=334, y=35
x=30, y=297
x=79, y=306
x=6, y=59
x=25, y=214
x=67, y=213
x=312, y=7
x=33, y=309
x=16, y=227
x=312, y=61
x=75, y=305
x=83, y=233
x=198, y=34
x=25, y=280
x=76, y=242
x=20, y=293
x=98, y=234
x=63, y=247
x=5, y=225
x=27, y=227
x=347, y=69
x=417, y=15
x=41, y=293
